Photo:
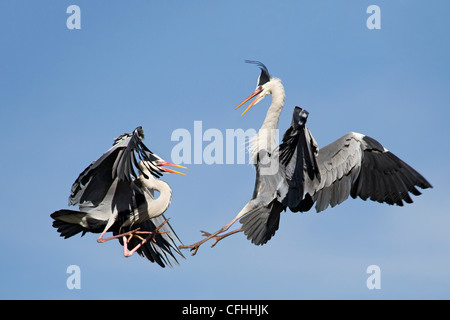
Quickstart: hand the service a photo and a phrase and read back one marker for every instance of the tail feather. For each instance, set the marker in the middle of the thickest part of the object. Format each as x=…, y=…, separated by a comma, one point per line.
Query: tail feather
x=67, y=222
x=260, y=224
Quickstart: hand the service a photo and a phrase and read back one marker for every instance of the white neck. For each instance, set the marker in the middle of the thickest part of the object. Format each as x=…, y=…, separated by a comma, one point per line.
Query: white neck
x=266, y=137
x=274, y=111
x=159, y=205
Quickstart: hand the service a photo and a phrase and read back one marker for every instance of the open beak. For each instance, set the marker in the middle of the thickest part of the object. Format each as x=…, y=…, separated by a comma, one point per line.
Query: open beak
x=257, y=91
x=160, y=164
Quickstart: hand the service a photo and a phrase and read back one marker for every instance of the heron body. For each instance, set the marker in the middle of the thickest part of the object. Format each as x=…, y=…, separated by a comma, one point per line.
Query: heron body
x=297, y=175
x=113, y=198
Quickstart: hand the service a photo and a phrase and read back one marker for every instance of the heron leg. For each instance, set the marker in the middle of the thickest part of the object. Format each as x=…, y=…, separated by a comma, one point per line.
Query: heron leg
x=101, y=240
x=194, y=247
x=151, y=235
x=218, y=238
x=111, y=221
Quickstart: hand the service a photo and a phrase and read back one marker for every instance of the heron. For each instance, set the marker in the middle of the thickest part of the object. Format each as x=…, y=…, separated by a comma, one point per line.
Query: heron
x=297, y=175
x=113, y=198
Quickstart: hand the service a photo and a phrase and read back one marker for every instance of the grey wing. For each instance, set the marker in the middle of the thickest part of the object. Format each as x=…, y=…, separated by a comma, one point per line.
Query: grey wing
x=132, y=149
x=94, y=182
x=358, y=165
x=119, y=161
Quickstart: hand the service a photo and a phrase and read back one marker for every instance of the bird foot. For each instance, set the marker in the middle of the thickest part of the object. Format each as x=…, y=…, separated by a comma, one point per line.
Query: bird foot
x=218, y=238
x=209, y=235
x=151, y=235
x=194, y=247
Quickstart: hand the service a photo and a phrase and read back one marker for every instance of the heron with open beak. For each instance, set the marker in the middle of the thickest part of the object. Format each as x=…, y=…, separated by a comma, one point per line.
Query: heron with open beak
x=113, y=198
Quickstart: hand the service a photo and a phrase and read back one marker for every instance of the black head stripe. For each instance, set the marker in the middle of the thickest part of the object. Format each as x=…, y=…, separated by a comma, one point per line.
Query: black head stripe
x=264, y=76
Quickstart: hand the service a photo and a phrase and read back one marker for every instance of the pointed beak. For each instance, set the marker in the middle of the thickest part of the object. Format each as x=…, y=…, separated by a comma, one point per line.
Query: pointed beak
x=255, y=93
x=160, y=164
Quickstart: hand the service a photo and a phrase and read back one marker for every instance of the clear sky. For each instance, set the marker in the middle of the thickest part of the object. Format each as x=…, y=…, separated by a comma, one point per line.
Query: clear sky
x=66, y=94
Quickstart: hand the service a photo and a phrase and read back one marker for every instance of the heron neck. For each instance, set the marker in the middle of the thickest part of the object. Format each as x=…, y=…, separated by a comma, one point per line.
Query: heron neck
x=160, y=204
x=273, y=114
x=267, y=135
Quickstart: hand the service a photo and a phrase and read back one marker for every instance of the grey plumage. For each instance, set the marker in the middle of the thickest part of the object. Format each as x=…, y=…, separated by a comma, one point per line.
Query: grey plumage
x=358, y=165
x=261, y=223
x=296, y=174
x=118, y=162
x=262, y=219
x=354, y=165
x=111, y=198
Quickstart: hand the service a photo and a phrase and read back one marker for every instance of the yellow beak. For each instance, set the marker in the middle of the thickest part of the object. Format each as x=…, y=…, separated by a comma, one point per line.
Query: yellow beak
x=165, y=163
x=255, y=93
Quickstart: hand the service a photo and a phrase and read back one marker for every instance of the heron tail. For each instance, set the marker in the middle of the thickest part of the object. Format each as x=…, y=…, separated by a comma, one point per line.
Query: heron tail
x=261, y=223
x=68, y=222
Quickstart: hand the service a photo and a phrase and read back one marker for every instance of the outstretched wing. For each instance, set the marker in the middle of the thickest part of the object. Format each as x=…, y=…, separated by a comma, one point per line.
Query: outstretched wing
x=358, y=165
x=119, y=161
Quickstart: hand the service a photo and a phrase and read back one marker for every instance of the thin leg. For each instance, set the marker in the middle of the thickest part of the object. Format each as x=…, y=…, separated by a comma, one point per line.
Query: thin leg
x=111, y=221
x=128, y=253
x=101, y=240
x=218, y=238
x=194, y=247
x=125, y=245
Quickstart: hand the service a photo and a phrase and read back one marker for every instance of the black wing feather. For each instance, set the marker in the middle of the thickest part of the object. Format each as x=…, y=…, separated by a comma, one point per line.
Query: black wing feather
x=360, y=166
x=119, y=161
x=298, y=141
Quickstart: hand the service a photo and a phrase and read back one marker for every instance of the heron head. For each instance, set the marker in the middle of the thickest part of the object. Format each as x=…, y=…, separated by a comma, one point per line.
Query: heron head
x=263, y=86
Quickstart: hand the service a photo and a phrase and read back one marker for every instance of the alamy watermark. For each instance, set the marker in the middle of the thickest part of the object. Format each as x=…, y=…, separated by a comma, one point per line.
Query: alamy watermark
x=74, y=280
x=212, y=146
x=73, y=22
x=374, y=20
x=232, y=146
x=374, y=280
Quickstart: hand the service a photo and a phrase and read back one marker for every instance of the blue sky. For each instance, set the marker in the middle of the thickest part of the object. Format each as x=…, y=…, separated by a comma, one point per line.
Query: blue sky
x=66, y=94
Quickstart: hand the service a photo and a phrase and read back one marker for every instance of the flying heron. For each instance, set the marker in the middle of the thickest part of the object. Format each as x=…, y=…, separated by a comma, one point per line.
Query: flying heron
x=113, y=198
x=296, y=174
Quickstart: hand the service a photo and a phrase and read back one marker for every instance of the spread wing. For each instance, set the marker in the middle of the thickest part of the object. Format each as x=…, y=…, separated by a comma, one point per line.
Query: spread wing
x=358, y=165
x=119, y=161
